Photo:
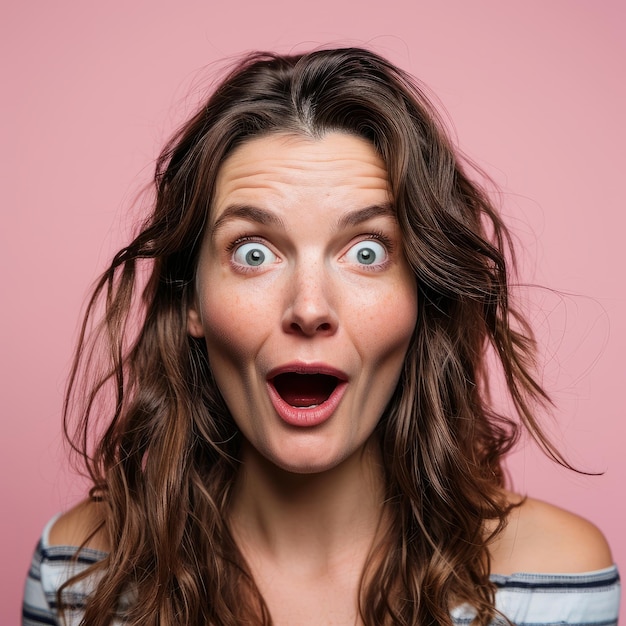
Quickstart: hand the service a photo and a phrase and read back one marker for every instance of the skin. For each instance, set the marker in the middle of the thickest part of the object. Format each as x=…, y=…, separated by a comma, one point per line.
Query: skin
x=311, y=301
x=308, y=501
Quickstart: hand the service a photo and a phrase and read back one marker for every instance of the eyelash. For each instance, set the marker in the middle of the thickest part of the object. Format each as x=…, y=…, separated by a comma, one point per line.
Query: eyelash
x=385, y=241
x=243, y=239
x=375, y=235
x=380, y=236
x=235, y=243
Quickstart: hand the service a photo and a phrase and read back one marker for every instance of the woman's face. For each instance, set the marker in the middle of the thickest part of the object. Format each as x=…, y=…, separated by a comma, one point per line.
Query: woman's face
x=304, y=296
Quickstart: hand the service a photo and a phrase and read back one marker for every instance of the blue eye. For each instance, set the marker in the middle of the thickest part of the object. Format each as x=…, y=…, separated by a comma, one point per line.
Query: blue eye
x=367, y=252
x=253, y=254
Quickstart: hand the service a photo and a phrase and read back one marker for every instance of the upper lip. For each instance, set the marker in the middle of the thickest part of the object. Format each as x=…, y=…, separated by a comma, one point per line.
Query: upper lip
x=307, y=368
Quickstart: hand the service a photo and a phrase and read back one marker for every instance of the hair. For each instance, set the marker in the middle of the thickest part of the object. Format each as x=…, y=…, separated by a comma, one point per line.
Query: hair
x=165, y=456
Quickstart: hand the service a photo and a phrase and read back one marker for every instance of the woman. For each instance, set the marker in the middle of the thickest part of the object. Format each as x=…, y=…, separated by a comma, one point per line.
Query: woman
x=293, y=417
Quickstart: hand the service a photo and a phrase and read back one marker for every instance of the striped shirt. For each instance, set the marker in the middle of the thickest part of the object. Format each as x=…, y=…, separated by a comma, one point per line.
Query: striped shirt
x=587, y=599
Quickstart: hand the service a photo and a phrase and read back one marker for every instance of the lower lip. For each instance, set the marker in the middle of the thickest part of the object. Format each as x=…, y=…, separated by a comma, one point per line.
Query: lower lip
x=307, y=417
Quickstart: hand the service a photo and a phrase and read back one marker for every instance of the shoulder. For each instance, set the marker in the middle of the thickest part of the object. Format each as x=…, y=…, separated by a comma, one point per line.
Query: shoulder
x=543, y=538
x=83, y=523
x=55, y=561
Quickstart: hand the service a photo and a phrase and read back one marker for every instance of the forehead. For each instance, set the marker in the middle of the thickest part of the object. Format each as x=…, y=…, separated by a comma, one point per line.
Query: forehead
x=280, y=165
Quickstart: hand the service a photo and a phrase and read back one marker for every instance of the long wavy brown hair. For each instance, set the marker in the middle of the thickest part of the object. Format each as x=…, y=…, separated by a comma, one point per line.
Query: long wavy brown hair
x=158, y=440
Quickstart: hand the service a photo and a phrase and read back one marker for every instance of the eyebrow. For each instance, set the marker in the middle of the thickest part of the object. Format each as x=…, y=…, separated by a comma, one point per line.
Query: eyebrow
x=354, y=218
x=261, y=216
x=246, y=212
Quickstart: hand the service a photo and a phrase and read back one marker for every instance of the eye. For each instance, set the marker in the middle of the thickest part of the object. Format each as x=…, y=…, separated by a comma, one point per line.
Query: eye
x=367, y=252
x=253, y=254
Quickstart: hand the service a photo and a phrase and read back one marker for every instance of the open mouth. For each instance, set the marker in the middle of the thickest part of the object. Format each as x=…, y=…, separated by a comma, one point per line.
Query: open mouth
x=305, y=390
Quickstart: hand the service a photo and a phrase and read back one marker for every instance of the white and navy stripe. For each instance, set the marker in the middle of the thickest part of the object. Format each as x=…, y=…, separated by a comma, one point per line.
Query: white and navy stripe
x=588, y=599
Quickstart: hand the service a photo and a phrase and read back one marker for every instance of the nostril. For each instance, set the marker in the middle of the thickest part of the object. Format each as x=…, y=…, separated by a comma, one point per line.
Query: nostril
x=324, y=327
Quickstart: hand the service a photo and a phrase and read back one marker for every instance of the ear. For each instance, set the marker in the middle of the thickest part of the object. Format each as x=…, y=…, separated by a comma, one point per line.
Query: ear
x=194, y=321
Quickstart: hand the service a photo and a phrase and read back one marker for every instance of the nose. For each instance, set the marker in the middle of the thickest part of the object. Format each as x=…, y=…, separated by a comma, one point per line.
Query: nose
x=309, y=308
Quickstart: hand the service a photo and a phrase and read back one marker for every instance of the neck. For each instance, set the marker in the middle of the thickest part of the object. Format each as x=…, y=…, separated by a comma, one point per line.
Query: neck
x=318, y=520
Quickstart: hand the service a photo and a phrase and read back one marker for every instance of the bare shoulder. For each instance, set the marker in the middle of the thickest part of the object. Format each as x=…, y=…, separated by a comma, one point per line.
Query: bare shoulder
x=83, y=522
x=543, y=538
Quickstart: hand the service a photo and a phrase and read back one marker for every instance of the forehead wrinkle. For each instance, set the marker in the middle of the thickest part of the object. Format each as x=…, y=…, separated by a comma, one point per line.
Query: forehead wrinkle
x=244, y=164
x=302, y=172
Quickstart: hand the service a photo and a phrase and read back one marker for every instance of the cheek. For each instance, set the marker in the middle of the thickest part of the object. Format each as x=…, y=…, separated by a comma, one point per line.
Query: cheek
x=389, y=324
x=233, y=325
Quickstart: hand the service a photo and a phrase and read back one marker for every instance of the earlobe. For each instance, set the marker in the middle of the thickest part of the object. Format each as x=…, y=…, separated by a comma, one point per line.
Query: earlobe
x=194, y=323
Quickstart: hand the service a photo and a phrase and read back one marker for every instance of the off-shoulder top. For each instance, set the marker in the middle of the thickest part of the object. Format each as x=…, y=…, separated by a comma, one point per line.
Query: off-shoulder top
x=527, y=599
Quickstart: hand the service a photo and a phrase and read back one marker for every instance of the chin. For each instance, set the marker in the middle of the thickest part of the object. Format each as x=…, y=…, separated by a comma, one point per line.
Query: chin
x=302, y=467
x=310, y=457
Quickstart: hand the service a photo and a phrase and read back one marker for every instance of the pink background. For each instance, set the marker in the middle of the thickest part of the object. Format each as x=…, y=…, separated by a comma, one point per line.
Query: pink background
x=90, y=91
